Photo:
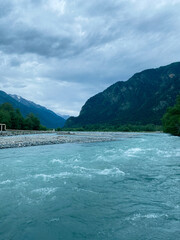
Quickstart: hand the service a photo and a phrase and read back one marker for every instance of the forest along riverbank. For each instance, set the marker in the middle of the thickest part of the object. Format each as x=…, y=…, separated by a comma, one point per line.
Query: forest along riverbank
x=63, y=137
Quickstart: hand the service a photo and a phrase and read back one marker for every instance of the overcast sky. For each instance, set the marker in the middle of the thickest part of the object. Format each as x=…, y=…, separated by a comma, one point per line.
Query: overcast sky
x=58, y=53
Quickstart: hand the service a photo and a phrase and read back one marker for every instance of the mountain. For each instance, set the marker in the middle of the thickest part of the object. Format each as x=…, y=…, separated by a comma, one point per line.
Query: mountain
x=47, y=117
x=143, y=99
x=64, y=116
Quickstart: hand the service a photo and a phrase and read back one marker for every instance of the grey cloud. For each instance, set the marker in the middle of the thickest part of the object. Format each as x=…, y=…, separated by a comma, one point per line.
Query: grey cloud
x=14, y=62
x=32, y=41
x=101, y=8
x=84, y=49
x=19, y=38
x=36, y=2
x=5, y=8
x=162, y=22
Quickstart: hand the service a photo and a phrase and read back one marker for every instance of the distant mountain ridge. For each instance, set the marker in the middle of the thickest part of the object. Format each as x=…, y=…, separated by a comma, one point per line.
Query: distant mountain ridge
x=143, y=99
x=64, y=116
x=47, y=117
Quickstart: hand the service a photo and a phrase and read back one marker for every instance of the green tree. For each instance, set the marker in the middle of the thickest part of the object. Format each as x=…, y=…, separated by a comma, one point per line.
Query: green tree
x=7, y=107
x=171, y=119
x=32, y=122
x=5, y=118
x=19, y=120
x=6, y=112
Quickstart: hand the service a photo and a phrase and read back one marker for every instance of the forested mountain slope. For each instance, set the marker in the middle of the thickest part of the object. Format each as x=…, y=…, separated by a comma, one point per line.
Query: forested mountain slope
x=143, y=99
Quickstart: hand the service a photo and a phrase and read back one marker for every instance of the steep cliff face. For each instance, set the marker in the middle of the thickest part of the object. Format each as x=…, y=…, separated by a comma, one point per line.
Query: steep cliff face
x=143, y=99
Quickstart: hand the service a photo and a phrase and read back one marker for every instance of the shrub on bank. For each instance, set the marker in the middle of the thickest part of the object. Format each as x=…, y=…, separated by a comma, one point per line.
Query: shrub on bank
x=171, y=119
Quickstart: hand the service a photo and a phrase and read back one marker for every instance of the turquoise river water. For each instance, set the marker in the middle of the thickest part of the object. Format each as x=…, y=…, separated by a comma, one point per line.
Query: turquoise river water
x=123, y=190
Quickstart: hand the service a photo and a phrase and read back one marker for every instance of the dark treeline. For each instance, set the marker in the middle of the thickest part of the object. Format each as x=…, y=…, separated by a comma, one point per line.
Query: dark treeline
x=171, y=119
x=117, y=128
x=14, y=120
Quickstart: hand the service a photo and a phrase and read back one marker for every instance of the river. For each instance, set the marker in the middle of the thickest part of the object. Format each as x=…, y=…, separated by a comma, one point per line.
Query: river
x=127, y=189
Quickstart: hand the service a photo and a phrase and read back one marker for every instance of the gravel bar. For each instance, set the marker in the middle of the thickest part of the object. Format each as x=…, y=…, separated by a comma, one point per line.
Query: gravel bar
x=25, y=141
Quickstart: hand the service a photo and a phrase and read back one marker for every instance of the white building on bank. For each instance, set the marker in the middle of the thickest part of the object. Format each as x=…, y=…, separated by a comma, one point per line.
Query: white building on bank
x=2, y=127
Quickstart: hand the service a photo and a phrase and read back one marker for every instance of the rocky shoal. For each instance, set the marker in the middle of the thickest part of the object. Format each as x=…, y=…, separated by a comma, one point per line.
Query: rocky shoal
x=35, y=140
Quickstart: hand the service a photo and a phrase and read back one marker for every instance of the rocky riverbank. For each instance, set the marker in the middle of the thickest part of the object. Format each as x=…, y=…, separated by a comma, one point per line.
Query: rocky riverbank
x=14, y=140
x=47, y=139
